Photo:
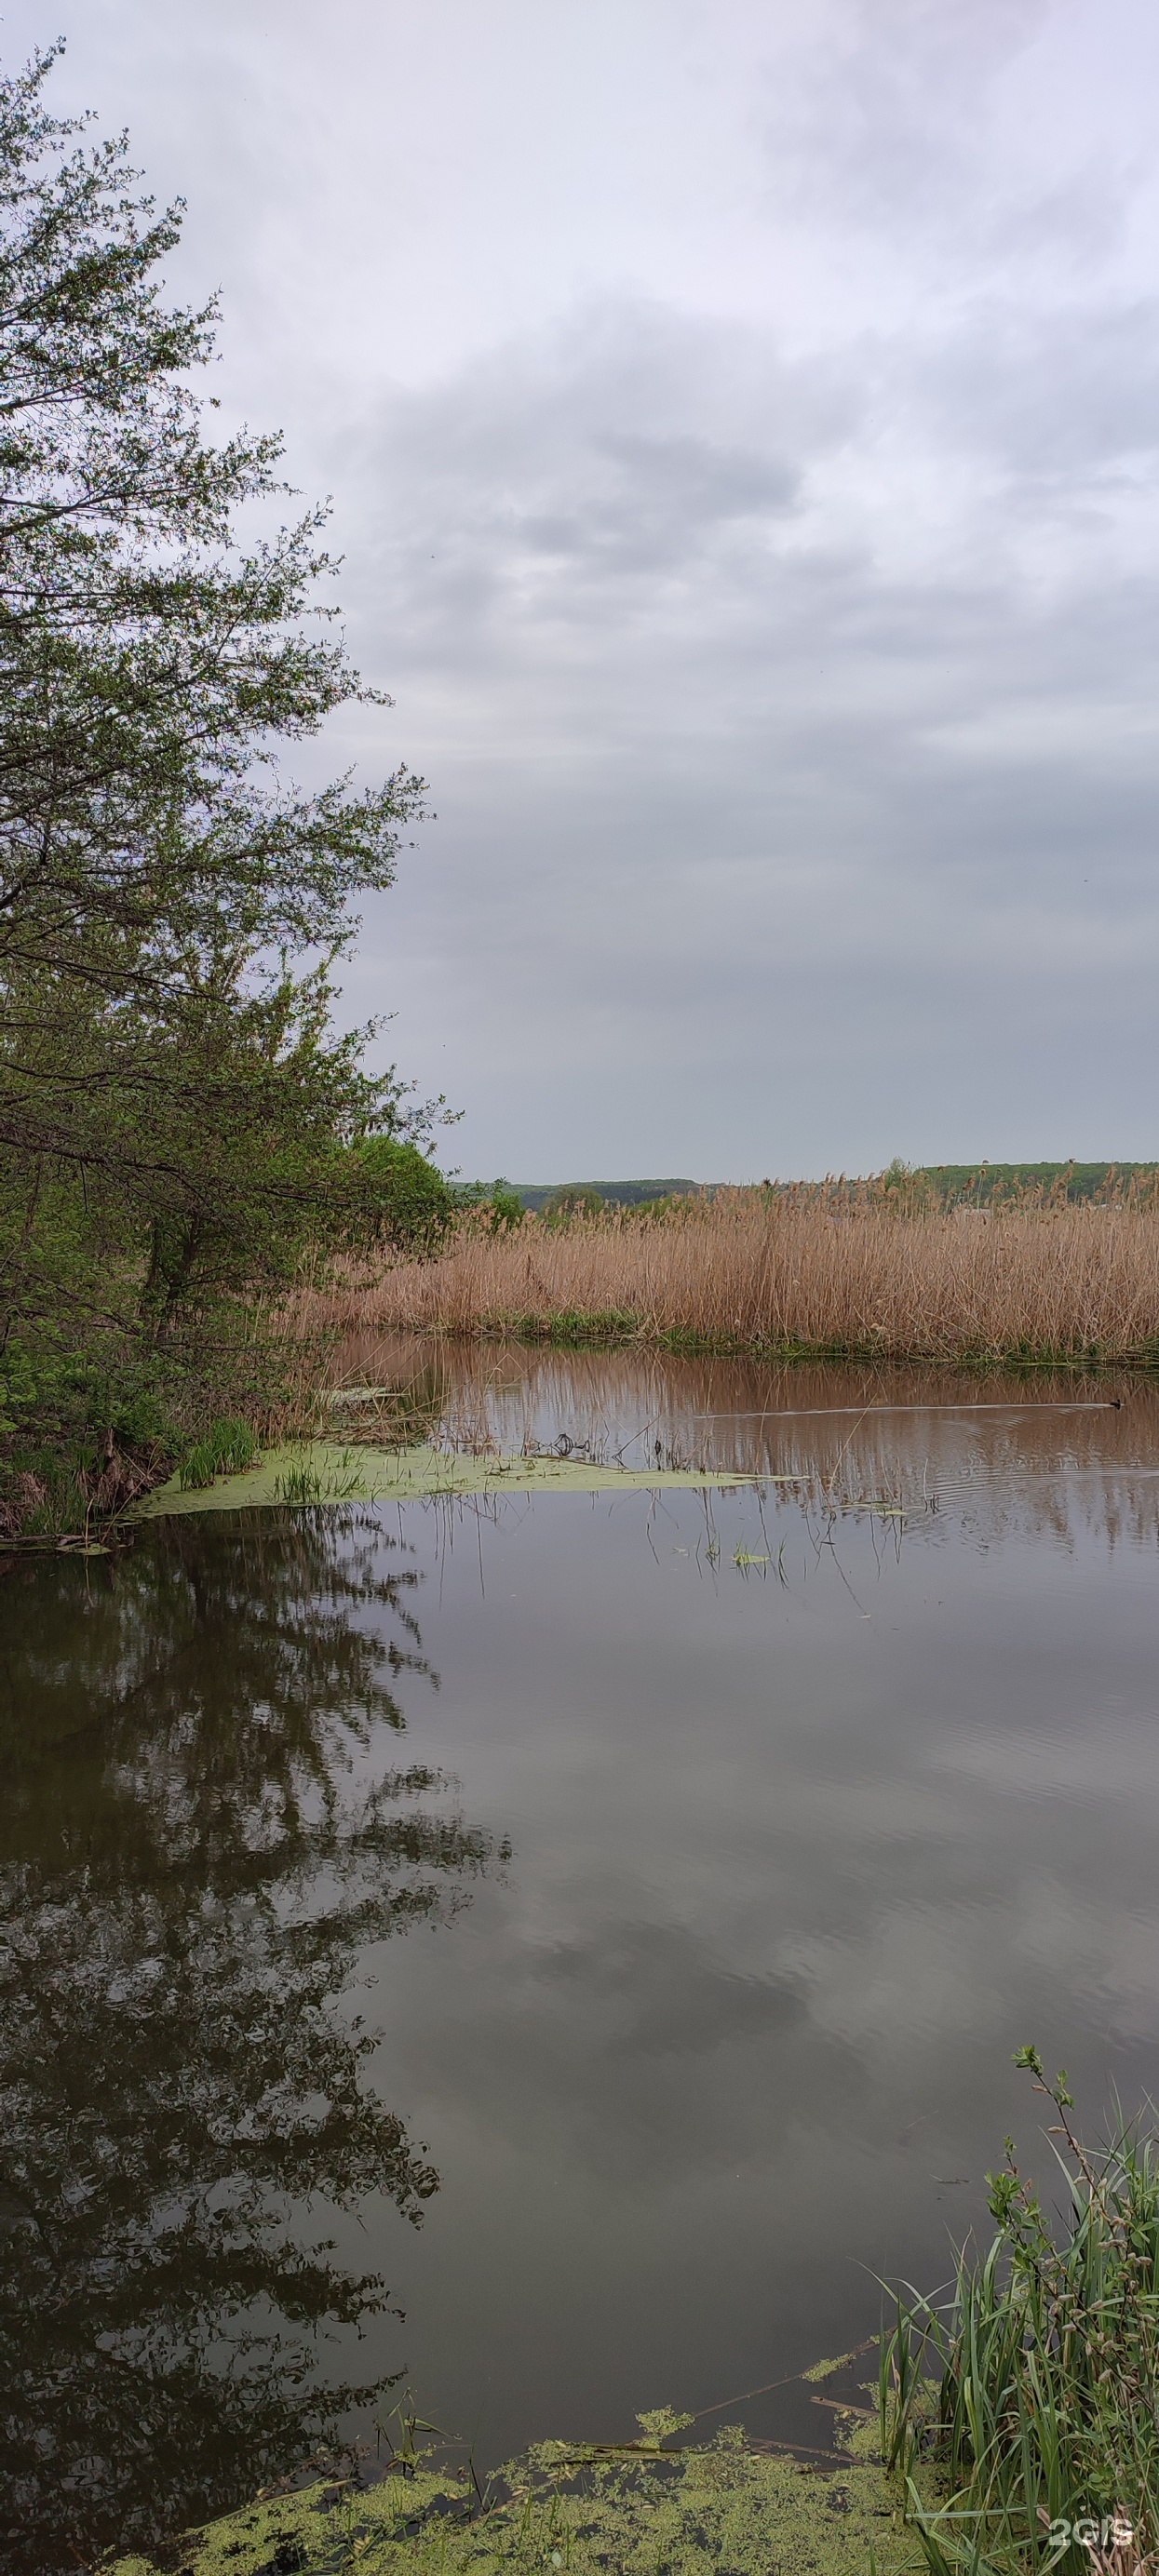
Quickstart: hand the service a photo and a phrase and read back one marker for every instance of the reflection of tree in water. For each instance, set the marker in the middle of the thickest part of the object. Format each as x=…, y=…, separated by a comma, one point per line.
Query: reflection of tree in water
x=199, y=1835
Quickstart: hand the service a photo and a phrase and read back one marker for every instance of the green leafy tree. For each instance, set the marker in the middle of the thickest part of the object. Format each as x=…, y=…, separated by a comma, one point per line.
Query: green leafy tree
x=174, y=1104
x=396, y=1196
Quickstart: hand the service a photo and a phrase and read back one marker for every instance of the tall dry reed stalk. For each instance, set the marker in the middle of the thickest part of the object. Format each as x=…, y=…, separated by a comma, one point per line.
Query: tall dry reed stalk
x=810, y=1272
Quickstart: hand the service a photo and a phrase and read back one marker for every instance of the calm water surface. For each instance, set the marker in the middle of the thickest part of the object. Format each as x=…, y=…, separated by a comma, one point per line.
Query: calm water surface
x=642, y=1894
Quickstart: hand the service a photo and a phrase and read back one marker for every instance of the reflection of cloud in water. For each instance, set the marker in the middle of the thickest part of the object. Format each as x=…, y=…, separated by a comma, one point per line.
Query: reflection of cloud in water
x=649, y=1990
x=806, y=1865
x=637, y=2043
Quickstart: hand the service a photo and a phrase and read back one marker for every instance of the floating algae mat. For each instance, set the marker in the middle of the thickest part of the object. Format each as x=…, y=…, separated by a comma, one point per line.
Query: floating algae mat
x=326, y=1471
x=693, y=2513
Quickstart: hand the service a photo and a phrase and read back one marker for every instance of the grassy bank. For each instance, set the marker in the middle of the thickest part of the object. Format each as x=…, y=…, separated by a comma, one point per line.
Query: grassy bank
x=78, y=1459
x=814, y=1274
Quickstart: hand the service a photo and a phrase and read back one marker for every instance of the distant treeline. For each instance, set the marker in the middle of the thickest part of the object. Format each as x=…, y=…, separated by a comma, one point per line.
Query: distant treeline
x=980, y=1184
x=537, y=1195
x=946, y=1184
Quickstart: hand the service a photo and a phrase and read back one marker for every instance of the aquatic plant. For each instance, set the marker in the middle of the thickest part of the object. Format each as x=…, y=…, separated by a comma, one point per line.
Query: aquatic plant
x=644, y=2508
x=227, y=1449
x=1041, y=2409
x=305, y=1482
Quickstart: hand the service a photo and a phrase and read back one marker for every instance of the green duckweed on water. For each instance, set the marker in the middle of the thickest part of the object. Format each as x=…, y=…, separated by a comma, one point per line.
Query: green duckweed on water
x=327, y=1471
x=727, y=2508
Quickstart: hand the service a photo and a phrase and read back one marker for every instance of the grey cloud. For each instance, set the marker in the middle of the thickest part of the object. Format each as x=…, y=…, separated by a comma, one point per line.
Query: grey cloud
x=661, y=496
x=634, y=448
x=763, y=554
x=888, y=123
x=1081, y=218
x=713, y=734
x=1052, y=396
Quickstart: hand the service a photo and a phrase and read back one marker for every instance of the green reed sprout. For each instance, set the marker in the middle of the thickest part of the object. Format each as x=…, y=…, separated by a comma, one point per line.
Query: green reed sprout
x=1031, y=2394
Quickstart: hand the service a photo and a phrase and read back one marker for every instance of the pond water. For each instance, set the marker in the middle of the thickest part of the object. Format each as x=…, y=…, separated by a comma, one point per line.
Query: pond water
x=643, y=1893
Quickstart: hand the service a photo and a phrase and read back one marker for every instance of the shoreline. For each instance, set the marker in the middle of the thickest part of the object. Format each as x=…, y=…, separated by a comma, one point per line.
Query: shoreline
x=739, y=2501
x=618, y=1332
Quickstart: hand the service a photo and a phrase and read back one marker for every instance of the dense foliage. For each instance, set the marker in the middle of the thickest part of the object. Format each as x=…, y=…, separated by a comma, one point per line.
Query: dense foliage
x=177, y=1117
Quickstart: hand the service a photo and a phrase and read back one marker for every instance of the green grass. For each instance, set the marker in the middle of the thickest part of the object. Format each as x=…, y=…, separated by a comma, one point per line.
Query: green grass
x=70, y=1490
x=305, y=1482
x=226, y=1450
x=574, y=1328
x=1044, y=2410
x=77, y=1488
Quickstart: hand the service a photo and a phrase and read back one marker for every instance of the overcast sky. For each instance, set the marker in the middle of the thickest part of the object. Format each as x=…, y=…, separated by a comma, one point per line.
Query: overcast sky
x=742, y=425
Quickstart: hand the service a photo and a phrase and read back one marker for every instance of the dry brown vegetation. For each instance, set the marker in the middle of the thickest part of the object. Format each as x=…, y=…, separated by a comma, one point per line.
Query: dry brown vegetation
x=820, y=1272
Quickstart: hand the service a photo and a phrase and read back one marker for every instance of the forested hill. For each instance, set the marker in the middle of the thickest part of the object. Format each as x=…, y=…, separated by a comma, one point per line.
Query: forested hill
x=535, y=1194
x=950, y=1184
x=977, y=1184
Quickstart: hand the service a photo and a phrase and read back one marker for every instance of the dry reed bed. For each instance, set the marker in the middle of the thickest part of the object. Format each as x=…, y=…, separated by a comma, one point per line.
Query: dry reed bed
x=792, y=1275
